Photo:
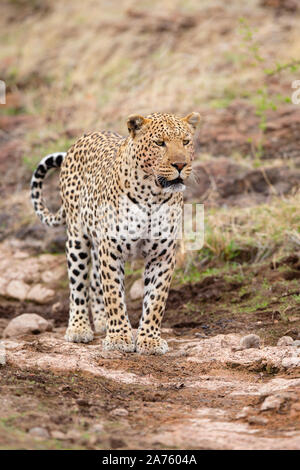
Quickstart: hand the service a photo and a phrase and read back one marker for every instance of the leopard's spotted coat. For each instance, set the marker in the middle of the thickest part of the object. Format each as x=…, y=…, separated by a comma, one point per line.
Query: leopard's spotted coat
x=102, y=175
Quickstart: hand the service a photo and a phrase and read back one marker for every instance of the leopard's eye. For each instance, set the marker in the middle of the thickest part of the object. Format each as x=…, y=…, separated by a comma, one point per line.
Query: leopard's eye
x=186, y=141
x=160, y=143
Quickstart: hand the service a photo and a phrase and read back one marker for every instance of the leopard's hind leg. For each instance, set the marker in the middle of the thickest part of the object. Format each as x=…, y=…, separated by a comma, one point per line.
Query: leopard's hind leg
x=78, y=256
x=96, y=293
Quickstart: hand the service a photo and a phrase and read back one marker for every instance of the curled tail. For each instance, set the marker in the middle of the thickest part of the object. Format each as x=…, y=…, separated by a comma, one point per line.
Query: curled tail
x=54, y=160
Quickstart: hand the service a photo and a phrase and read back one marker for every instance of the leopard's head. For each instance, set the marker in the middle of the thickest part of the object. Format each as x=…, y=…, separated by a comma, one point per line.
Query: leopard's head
x=163, y=146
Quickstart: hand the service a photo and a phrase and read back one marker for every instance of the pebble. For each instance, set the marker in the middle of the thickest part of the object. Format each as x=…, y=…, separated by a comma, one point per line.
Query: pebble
x=291, y=362
x=244, y=412
x=27, y=323
x=40, y=294
x=53, y=275
x=272, y=402
x=250, y=341
x=17, y=290
x=119, y=412
x=201, y=335
x=257, y=420
x=285, y=341
x=83, y=402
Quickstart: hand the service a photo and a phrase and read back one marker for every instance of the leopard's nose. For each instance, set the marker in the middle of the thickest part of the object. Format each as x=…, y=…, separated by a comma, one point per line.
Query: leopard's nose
x=179, y=166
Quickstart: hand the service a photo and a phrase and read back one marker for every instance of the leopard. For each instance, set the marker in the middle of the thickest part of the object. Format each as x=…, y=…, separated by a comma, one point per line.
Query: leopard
x=122, y=199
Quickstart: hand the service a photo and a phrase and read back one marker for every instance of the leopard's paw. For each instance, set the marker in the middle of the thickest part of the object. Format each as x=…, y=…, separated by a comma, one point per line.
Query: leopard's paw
x=145, y=345
x=76, y=335
x=119, y=342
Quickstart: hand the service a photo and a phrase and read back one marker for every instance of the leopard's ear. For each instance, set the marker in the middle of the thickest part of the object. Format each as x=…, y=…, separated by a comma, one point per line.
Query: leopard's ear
x=192, y=119
x=134, y=123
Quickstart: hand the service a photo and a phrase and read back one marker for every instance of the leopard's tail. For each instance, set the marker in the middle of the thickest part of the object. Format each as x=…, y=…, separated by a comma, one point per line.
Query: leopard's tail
x=54, y=160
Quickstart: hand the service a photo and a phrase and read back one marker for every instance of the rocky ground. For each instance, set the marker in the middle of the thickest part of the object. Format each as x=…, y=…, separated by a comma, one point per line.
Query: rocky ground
x=56, y=394
x=215, y=381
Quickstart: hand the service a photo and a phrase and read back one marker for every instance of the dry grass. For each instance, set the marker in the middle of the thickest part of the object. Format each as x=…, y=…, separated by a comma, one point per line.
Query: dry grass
x=253, y=233
x=89, y=67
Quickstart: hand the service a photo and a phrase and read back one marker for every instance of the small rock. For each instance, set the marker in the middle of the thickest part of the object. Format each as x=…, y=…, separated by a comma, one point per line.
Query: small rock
x=257, y=420
x=59, y=435
x=26, y=323
x=40, y=294
x=291, y=362
x=296, y=343
x=137, y=289
x=39, y=432
x=244, y=412
x=285, y=341
x=200, y=335
x=119, y=412
x=17, y=289
x=83, y=402
x=272, y=402
x=250, y=341
x=2, y=355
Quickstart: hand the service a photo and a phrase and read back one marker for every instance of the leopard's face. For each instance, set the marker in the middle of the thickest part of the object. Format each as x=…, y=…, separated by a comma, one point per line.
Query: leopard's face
x=164, y=146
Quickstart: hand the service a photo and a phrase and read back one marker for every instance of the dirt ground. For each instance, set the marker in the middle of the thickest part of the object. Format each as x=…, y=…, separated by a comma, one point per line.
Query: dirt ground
x=86, y=398
x=191, y=398
x=205, y=393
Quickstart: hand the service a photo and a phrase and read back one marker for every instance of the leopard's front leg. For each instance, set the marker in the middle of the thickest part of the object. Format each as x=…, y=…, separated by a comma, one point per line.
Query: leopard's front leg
x=111, y=269
x=159, y=268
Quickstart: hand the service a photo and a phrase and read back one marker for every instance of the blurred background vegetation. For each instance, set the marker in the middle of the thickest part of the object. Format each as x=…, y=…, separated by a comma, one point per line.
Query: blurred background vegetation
x=71, y=67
